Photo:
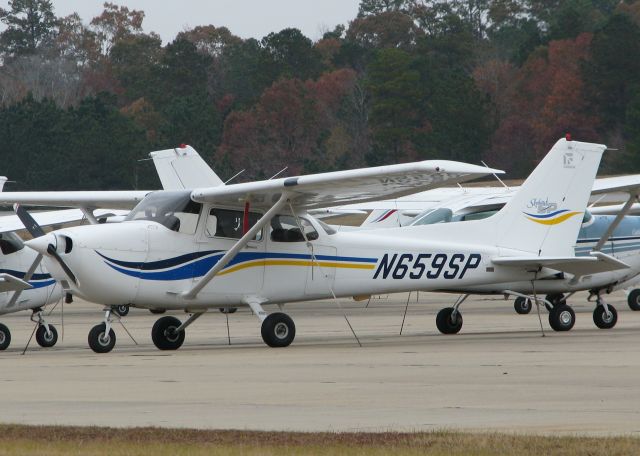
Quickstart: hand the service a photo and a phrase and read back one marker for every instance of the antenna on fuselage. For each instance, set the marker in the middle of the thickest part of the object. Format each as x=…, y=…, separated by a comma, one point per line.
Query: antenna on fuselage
x=279, y=172
x=234, y=176
x=496, y=176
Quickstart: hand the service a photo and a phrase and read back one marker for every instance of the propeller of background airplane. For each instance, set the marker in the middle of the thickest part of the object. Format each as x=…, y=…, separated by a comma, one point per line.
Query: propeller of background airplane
x=42, y=242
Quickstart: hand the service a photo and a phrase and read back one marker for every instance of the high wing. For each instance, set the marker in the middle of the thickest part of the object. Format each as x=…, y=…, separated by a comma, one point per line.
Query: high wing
x=577, y=266
x=10, y=223
x=352, y=186
x=121, y=199
x=620, y=184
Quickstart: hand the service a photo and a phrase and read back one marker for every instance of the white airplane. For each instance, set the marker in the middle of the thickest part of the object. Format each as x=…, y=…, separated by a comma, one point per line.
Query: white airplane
x=183, y=168
x=206, y=248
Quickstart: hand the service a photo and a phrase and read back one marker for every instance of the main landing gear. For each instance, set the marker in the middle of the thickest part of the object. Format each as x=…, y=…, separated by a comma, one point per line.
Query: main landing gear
x=5, y=337
x=278, y=329
x=449, y=319
x=46, y=334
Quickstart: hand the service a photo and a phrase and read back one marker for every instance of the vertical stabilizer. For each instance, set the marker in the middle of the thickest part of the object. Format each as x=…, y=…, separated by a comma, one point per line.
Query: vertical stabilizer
x=545, y=215
x=183, y=168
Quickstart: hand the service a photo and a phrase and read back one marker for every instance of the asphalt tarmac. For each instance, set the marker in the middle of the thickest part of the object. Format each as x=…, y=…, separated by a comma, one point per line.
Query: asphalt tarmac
x=498, y=374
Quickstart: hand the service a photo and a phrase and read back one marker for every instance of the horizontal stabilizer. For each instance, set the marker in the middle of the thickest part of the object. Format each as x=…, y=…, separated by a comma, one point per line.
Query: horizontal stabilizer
x=11, y=283
x=577, y=266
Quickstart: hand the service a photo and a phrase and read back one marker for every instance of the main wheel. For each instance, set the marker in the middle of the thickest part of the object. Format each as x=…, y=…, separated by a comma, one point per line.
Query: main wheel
x=122, y=310
x=100, y=341
x=634, y=299
x=522, y=305
x=45, y=339
x=164, y=334
x=562, y=318
x=5, y=337
x=445, y=323
x=278, y=330
x=157, y=311
x=228, y=310
x=604, y=320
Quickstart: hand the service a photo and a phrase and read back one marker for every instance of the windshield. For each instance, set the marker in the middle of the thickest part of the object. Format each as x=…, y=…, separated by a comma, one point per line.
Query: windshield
x=174, y=210
x=441, y=215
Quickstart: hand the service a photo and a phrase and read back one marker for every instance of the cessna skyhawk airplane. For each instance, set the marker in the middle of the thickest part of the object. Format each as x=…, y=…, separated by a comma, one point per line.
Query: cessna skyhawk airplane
x=253, y=244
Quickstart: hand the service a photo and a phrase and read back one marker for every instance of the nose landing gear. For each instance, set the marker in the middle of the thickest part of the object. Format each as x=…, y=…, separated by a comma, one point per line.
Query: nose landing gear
x=46, y=334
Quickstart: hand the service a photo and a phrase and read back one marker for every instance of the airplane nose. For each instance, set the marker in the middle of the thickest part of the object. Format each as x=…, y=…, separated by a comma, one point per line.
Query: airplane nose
x=41, y=243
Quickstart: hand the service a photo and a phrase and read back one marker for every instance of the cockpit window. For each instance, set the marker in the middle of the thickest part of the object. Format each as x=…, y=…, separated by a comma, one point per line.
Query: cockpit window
x=285, y=229
x=10, y=243
x=440, y=215
x=326, y=227
x=175, y=210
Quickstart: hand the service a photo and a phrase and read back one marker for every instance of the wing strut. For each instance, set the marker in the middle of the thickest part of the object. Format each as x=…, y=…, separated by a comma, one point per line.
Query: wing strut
x=233, y=251
x=26, y=278
x=625, y=209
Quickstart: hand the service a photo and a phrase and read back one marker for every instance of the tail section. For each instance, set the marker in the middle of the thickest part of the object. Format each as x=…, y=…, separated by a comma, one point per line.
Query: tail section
x=183, y=168
x=545, y=215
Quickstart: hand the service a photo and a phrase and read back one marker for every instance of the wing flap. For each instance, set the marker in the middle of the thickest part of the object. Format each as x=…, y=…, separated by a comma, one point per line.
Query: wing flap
x=346, y=187
x=577, y=266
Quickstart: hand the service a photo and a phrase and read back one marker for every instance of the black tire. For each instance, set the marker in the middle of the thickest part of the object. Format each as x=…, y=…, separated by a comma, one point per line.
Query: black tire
x=522, y=305
x=278, y=330
x=122, y=310
x=604, y=321
x=157, y=311
x=634, y=299
x=228, y=310
x=445, y=323
x=5, y=337
x=164, y=335
x=562, y=318
x=46, y=340
x=99, y=341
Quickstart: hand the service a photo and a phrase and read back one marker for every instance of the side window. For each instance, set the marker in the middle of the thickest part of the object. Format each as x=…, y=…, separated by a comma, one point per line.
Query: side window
x=185, y=220
x=285, y=229
x=227, y=223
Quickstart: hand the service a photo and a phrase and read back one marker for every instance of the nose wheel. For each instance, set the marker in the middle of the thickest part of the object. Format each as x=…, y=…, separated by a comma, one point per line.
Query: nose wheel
x=46, y=334
x=522, y=305
x=102, y=340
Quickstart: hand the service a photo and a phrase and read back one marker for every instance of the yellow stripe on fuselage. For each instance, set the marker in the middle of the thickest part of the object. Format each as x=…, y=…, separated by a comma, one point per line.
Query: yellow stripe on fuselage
x=556, y=220
x=304, y=263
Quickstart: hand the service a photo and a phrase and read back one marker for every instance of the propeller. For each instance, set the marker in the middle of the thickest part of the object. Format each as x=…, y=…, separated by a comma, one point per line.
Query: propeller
x=37, y=232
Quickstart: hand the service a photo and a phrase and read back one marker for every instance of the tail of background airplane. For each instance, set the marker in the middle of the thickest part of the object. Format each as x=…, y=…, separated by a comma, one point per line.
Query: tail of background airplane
x=183, y=168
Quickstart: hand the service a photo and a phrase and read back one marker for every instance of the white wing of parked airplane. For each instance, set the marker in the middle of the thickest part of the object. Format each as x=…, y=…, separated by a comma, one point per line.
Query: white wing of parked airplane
x=10, y=223
x=119, y=199
x=354, y=186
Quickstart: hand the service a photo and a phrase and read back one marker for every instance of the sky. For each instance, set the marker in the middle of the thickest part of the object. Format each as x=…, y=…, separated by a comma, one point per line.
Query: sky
x=245, y=18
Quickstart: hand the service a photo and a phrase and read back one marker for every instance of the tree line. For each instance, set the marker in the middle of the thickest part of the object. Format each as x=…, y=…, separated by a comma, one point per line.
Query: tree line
x=495, y=80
